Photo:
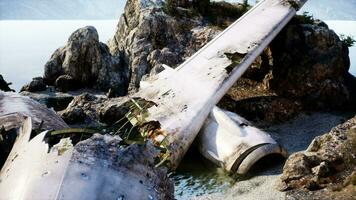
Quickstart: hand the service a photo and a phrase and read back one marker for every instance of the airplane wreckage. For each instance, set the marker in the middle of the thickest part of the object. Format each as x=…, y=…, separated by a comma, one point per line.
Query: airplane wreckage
x=49, y=160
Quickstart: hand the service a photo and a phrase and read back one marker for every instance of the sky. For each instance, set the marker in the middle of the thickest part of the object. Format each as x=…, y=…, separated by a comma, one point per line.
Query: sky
x=60, y=9
x=111, y=9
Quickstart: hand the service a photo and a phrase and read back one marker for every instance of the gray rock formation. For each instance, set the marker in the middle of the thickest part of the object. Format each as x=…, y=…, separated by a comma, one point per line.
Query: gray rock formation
x=305, y=68
x=148, y=37
x=85, y=62
x=326, y=170
x=36, y=85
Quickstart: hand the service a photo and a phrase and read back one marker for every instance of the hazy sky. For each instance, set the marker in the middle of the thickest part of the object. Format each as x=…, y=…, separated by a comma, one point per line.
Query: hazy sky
x=111, y=9
x=61, y=9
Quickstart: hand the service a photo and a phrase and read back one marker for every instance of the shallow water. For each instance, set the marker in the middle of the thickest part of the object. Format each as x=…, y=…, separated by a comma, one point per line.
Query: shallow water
x=196, y=177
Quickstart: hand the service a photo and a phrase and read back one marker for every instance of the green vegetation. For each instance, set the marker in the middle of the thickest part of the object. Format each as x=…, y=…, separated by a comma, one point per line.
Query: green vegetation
x=348, y=40
x=305, y=18
x=219, y=14
x=222, y=13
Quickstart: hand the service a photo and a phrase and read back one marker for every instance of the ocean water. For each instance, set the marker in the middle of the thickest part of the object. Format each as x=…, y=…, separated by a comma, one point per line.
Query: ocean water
x=26, y=45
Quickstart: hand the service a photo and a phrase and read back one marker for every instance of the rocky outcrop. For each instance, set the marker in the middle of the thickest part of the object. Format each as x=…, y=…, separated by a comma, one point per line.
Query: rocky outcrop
x=84, y=62
x=143, y=28
x=311, y=63
x=148, y=37
x=36, y=85
x=4, y=86
x=326, y=170
x=305, y=68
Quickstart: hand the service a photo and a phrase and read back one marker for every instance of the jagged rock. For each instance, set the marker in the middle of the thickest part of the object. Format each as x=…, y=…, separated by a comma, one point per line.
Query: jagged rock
x=311, y=63
x=36, y=85
x=143, y=28
x=4, y=86
x=325, y=169
x=86, y=62
x=148, y=37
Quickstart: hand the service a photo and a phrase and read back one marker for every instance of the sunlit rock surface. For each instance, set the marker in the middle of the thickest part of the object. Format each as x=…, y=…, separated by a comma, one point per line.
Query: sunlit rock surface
x=86, y=63
x=326, y=170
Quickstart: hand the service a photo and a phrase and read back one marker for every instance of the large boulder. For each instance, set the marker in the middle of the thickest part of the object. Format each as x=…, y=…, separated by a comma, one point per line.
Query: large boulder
x=36, y=85
x=84, y=62
x=311, y=63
